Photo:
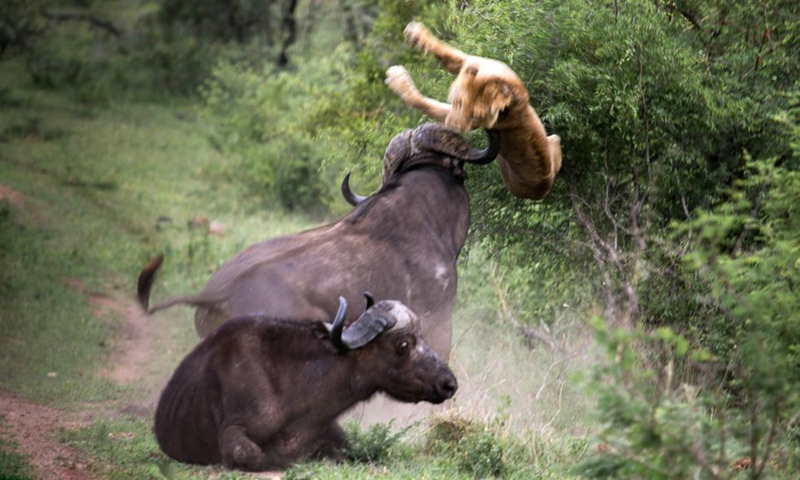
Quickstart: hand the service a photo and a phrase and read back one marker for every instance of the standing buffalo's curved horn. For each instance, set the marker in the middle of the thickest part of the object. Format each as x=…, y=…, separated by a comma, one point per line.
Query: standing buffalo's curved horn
x=352, y=198
x=488, y=154
x=370, y=300
x=438, y=138
x=368, y=326
x=338, y=325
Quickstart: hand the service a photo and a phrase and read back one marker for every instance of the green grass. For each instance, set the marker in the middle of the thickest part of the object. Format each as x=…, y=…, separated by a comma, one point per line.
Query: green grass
x=13, y=466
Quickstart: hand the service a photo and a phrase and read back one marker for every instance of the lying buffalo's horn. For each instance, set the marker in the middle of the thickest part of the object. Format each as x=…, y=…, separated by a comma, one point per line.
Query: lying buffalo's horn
x=370, y=300
x=352, y=198
x=437, y=138
x=368, y=326
x=338, y=325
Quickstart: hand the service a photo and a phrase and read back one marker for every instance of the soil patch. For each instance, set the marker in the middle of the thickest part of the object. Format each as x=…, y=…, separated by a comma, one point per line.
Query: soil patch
x=32, y=428
x=13, y=196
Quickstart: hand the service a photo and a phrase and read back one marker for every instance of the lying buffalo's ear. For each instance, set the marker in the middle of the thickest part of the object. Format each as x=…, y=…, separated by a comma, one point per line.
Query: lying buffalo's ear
x=371, y=324
x=370, y=300
x=338, y=325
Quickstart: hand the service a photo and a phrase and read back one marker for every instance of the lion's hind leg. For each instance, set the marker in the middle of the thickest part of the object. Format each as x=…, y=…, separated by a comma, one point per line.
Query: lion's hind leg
x=399, y=80
x=450, y=58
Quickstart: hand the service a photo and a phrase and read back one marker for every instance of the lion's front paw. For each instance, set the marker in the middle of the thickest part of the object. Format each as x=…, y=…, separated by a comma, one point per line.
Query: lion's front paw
x=416, y=33
x=399, y=80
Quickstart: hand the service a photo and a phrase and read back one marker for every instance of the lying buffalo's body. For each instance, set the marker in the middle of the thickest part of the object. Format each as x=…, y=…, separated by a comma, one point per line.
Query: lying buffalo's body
x=260, y=394
x=401, y=243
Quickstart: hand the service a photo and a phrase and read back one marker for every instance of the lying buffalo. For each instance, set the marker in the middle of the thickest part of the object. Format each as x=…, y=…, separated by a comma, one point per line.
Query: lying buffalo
x=402, y=243
x=260, y=394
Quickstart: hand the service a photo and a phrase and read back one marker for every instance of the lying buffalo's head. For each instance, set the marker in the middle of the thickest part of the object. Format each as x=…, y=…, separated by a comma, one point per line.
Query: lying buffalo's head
x=429, y=144
x=387, y=342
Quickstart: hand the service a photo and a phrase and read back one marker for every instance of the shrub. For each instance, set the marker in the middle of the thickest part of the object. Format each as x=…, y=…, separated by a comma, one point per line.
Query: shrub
x=476, y=448
x=258, y=118
x=373, y=444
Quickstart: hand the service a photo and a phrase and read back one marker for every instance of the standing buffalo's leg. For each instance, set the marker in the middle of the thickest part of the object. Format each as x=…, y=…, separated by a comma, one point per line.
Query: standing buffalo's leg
x=239, y=452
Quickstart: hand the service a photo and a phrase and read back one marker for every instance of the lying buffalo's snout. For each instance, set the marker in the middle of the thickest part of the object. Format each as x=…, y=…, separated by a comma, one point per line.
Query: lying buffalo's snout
x=445, y=388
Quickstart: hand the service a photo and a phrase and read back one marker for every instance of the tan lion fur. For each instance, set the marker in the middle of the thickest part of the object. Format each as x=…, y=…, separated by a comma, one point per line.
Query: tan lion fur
x=486, y=94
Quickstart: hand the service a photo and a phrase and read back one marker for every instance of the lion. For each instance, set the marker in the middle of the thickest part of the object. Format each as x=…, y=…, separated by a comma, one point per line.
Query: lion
x=486, y=94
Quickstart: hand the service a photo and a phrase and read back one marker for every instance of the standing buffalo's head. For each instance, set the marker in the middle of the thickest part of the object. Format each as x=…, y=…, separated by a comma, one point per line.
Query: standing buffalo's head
x=429, y=144
x=386, y=340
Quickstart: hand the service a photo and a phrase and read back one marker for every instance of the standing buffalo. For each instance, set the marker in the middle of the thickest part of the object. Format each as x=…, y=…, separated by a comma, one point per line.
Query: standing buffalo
x=259, y=393
x=401, y=243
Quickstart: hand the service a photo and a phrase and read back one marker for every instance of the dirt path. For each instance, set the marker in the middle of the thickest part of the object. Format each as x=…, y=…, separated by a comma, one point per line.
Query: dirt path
x=134, y=343
x=31, y=426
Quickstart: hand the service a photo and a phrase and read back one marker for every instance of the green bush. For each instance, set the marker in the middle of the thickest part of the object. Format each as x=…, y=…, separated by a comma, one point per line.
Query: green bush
x=259, y=122
x=373, y=444
x=146, y=61
x=476, y=448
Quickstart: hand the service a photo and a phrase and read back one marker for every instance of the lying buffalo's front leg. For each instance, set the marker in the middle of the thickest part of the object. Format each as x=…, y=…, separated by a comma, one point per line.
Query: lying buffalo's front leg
x=332, y=444
x=240, y=452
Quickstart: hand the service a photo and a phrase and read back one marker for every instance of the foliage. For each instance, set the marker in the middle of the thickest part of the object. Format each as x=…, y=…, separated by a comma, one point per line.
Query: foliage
x=237, y=20
x=669, y=414
x=662, y=423
x=19, y=23
x=145, y=63
x=372, y=444
x=651, y=124
x=474, y=447
x=260, y=123
x=656, y=424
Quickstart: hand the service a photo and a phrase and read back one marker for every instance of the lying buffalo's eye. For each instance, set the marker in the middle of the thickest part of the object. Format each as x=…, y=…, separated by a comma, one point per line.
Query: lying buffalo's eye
x=406, y=344
x=403, y=347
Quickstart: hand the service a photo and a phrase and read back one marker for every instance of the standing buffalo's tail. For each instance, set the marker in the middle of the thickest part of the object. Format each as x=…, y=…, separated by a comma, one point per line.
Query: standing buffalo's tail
x=146, y=278
x=148, y=275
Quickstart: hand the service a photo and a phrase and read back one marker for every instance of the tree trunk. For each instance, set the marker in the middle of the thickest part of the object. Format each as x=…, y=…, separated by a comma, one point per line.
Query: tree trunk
x=288, y=29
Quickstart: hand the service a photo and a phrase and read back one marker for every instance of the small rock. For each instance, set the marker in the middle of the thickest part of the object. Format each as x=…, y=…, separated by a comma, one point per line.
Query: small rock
x=216, y=228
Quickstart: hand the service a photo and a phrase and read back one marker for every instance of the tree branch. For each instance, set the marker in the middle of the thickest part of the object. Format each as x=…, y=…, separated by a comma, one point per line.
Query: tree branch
x=83, y=17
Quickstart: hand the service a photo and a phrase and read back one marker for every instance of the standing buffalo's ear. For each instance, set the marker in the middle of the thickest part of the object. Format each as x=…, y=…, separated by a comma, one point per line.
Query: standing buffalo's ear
x=397, y=153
